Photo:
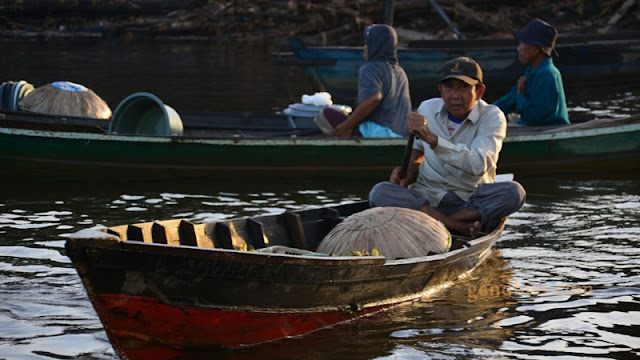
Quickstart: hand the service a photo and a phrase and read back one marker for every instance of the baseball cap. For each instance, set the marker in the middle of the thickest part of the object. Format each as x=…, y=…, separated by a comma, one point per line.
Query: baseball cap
x=462, y=68
x=538, y=32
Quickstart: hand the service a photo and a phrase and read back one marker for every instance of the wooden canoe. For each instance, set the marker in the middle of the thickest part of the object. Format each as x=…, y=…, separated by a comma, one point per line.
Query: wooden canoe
x=584, y=59
x=45, y=146
x=169, y=288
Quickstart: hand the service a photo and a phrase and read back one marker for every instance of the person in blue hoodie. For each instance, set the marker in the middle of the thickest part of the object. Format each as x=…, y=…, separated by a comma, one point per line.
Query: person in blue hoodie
x=538, y=97
x=383, y=91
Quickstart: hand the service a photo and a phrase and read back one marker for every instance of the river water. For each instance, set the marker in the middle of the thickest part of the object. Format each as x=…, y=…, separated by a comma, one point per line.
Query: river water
x=563, y=281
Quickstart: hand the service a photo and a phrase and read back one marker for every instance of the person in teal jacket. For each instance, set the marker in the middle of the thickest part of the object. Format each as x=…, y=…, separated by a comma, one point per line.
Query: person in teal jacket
x=538, y=97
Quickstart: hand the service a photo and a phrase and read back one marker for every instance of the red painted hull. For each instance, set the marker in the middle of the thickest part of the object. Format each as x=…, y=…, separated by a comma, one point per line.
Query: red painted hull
x=145, y=328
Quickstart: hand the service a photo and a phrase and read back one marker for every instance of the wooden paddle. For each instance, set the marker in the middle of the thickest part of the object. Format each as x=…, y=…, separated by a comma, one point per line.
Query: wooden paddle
x=407, y=155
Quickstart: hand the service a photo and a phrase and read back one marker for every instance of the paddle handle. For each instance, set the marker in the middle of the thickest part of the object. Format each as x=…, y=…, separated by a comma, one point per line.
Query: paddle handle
x=407, y=155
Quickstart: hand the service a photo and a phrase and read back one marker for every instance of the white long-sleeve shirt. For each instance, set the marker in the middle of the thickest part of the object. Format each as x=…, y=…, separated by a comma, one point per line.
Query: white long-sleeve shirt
x=463, y=160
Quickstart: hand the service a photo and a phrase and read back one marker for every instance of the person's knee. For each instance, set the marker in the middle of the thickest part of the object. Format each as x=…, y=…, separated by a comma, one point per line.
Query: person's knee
x=386, y=194
x=517, y=195
x=376, y=195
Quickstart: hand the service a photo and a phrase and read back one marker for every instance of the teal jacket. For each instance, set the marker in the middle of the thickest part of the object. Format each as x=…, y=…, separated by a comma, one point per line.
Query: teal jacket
x=543, y=102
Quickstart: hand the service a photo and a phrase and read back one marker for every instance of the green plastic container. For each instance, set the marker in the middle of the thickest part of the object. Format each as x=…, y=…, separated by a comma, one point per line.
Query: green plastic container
x=145, y=114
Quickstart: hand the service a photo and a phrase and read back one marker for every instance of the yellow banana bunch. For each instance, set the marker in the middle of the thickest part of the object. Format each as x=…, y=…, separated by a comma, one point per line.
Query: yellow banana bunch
x=364, y=252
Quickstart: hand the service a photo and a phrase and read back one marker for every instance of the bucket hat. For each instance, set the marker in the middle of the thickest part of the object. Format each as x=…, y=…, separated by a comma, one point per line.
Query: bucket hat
x=538, y=32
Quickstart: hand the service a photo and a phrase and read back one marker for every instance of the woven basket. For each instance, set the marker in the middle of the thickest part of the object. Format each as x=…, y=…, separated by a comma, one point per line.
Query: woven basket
x=65, y=98
x=395, y=232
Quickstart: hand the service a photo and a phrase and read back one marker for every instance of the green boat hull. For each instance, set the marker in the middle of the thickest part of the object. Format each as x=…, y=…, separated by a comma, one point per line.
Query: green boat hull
x=600, y=146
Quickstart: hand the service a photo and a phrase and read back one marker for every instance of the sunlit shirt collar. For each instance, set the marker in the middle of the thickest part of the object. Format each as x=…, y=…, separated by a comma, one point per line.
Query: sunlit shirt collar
x=474, y=114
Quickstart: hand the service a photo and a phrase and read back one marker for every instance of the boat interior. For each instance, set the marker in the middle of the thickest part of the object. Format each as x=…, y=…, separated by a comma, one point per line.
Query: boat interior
x=240, y=126
x=292, y=232
x=196, y=124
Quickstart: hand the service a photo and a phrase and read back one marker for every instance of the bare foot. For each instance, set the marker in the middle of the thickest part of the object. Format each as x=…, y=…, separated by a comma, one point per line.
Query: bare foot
x=463, y=227
x=475, y=229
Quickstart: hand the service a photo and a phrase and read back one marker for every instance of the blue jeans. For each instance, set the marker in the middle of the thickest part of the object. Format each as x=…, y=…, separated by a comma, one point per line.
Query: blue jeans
x=493, y=201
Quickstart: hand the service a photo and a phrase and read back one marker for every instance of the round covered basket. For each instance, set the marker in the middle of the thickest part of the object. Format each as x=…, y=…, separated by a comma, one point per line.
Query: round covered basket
x=66, y=98
x=396, y=233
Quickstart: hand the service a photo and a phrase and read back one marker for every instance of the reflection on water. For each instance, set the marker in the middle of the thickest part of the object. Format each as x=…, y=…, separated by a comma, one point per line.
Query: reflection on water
x=584, y=237
x=459, y=321
x=570, y=233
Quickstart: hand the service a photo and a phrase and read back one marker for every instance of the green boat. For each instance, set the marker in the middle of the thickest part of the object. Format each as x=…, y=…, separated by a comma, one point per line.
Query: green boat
x=39, y=146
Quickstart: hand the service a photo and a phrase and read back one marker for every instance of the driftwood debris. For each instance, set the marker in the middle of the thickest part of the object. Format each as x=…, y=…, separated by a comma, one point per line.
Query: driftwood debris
x=321, y=21
x=618, y=15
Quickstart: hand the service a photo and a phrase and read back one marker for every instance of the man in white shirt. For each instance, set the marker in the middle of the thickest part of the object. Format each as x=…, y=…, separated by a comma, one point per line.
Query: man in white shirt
x=456, y=157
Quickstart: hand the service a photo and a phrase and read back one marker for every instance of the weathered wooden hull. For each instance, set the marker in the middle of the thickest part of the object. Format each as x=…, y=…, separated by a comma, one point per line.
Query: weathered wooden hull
x=590, y=58
x=169, y=288
x=57, y=151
